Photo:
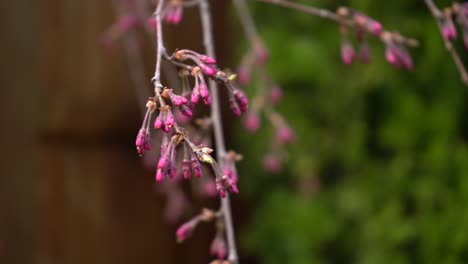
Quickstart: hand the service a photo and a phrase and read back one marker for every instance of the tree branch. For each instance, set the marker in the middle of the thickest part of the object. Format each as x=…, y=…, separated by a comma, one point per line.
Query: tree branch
x=218, y=128
x=332, y=16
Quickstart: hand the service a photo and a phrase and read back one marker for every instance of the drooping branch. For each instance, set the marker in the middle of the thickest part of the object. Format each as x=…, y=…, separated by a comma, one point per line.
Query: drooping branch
x=218, y=128
x=335, y=17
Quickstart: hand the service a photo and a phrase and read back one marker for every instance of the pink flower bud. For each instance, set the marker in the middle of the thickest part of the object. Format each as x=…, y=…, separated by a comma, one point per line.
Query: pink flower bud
x=218, y=248
x=184, y=231
x=375, y=27
x=234, y=107
x=158, y=122
x=169, y=119
x=391, y=57
x=243, y=76
x=347, y=53
x=195, y=95
x=177, y=15
x=207, y=70
x=186, y=169
x=160, y=175
x=163, y=162
x=272, y=163
x=261, y=54
x=207, y=59
x=252, y=122
x=449, y=31
x=196, y=167
x=204, y=92
x=276, y=94
x=242, y=100
x=285, y=135
x=186, y=111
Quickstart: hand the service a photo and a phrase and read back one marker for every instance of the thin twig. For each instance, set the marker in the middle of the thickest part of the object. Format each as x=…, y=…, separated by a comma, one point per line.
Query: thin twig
x=161, y=50
x=218, y=128
x=332, y=16
x=437, y=14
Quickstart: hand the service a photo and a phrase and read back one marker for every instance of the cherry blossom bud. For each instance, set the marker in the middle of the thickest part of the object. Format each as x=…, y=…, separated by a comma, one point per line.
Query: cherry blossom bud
x=234, y=107
x=347, y=53
x=207, y=59
x=186, y=111
x=204, y=92
x=285, y=135
x=195, y=95
x=272, y=163
x=158, y=122
x=276, y=94
x=252, y=122
x=374, y=27
x=243, y=76
x=196, y=167
x=177, y=15
x=186, y=169
x=207, y=70
x=391, y=56
x=449, y=31
x=185, y=231
x=160, y=175
x=218, y=248
x=261, y=54
x=242, y=100
x=169, y=122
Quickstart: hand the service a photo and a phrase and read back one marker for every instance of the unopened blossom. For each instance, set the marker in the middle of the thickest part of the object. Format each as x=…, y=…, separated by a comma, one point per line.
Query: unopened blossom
x=347, y=52
x=252, y=122
x=449, y=31
x=272, y=163
x=224, y=185
x=218, y=247
x=276, y=94
x=174, y=13
x=186, y=230
x=285, y=134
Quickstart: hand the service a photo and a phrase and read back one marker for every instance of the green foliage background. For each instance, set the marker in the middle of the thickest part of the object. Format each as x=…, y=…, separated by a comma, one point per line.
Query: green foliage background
x=380, y=170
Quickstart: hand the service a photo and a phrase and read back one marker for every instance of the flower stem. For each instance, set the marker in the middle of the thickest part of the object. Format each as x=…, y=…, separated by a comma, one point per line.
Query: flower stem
x=218, y=128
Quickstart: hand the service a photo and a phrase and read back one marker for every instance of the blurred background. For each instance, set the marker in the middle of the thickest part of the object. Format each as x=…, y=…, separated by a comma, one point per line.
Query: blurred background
x=379, y=173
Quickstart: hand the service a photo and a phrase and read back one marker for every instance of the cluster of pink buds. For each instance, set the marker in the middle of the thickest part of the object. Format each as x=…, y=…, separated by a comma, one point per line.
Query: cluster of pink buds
x=224, y=183
x=459, y=13
x=364, y=26
x=205, y=66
